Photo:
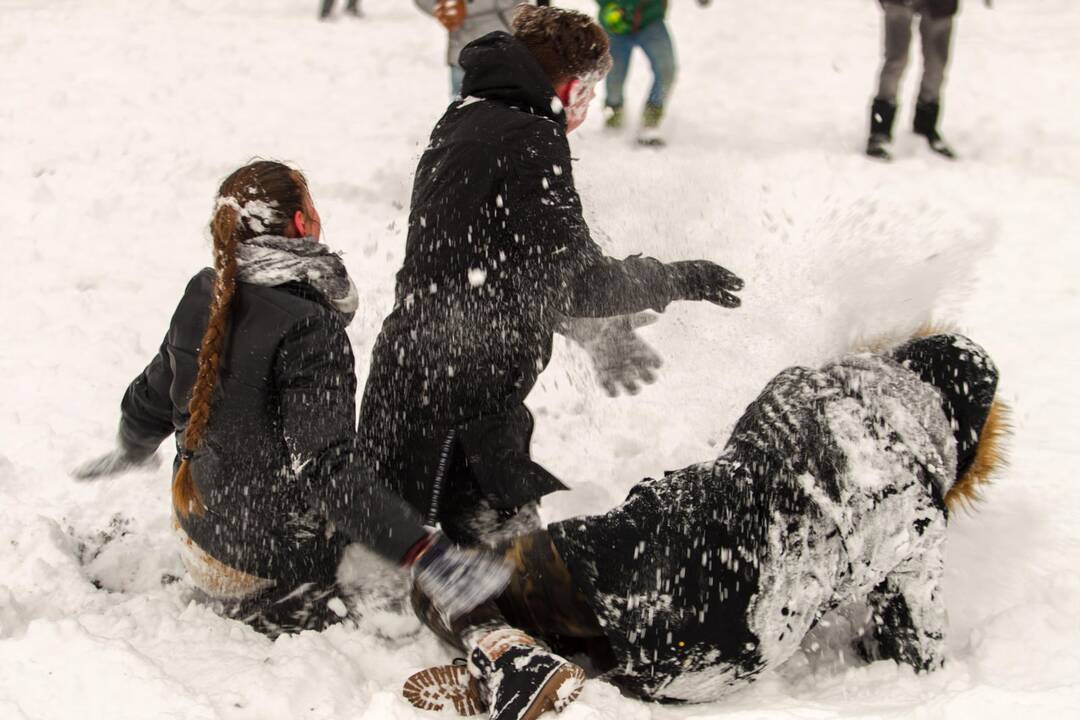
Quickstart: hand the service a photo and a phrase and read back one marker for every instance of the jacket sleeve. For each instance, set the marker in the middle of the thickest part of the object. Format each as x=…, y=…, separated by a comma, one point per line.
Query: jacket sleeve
x=595, y=285
x=317, y=385
x=146, y=410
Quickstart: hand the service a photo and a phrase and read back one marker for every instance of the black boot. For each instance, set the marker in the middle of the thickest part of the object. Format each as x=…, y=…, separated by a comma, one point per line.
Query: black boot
x=882, y=114
x=926, y=121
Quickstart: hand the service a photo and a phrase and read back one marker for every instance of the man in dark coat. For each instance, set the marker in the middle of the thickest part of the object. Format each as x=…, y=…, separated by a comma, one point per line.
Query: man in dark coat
x=935, y=31
x=498, y=256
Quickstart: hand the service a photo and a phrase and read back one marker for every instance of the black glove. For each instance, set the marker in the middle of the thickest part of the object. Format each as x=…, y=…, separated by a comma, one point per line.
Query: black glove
x=705, y=280
x=457, y=579
x=113, y=463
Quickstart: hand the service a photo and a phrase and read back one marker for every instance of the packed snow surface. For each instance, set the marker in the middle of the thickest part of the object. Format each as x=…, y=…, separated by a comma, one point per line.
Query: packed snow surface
x=118, y=120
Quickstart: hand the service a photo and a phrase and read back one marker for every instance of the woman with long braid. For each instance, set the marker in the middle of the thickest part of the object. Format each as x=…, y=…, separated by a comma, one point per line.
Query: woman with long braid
x=255, y=378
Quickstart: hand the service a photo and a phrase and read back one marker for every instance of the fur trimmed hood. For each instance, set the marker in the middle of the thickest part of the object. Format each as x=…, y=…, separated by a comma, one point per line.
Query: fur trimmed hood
x=967, y=379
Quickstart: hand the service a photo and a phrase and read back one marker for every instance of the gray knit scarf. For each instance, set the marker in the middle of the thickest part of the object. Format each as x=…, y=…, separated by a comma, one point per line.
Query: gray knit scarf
x=271, y=260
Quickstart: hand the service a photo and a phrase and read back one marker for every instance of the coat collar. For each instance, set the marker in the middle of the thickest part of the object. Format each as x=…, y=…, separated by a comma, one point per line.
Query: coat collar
x=500, y=67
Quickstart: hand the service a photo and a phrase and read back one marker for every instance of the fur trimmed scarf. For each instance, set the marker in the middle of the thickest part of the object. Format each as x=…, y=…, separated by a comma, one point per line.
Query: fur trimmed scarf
x=270, y=260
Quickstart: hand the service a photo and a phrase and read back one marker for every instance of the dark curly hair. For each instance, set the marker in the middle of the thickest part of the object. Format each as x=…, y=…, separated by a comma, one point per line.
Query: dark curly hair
x=567, y=43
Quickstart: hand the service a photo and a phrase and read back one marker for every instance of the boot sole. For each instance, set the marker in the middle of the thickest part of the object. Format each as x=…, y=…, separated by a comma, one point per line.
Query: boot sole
x=440, y=688
x=445, y=686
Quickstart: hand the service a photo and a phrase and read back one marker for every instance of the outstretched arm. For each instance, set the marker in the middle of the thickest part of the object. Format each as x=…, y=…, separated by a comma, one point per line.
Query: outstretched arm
x=146, y=410
x=545, y=201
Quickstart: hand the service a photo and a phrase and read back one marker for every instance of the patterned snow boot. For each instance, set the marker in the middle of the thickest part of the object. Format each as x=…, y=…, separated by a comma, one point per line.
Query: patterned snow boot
x=508, y=674
x=926, y=121
x=523, y=680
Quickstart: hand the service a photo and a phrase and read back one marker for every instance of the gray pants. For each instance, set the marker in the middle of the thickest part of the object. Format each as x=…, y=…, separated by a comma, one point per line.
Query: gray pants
x=935, y=34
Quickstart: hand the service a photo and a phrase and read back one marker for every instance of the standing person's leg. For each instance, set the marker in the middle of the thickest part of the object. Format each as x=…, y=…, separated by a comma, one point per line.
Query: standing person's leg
x=897, y=41
x=655, y=40
x=621, y=47
x=457, y=76
x=897, y=21
x=326, y=8
x=936, y=36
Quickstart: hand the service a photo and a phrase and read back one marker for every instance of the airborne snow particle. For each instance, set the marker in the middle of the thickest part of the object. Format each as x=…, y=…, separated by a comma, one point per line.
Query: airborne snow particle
x=477, y=276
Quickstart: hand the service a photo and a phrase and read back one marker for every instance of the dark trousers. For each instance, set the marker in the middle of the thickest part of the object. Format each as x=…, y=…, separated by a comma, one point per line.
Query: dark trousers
x=935, y=36
x=328, y=7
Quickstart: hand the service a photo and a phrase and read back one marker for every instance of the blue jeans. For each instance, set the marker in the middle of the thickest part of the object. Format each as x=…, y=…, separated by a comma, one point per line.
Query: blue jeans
x=655, y=41
x=457, y=75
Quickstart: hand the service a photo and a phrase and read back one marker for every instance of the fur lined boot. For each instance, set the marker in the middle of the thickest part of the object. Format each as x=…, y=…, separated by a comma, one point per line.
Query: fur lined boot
x=508, y=674
x=523, y=680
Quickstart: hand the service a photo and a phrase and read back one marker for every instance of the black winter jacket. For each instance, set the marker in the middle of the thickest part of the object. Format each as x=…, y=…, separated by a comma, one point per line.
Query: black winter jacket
x=934, y=8
x=278, y=461
x=830, y=489
x=497, y=253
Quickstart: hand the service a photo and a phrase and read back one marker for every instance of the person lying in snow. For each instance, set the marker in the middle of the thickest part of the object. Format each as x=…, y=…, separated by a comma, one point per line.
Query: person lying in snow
x=836, y=485
x=498, y=256
x=255, y=380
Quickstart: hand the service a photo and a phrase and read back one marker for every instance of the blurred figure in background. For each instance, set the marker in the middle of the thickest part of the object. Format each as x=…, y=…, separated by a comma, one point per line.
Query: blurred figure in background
x=639, y=23
x=352, y=7
x=465, y=21
x=935, y=33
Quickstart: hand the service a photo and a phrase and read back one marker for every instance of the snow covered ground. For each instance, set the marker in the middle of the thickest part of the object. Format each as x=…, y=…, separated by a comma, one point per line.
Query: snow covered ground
x=118, y=119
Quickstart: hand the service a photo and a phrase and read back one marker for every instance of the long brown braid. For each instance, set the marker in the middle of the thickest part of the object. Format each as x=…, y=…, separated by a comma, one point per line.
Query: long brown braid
x=270, y=185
